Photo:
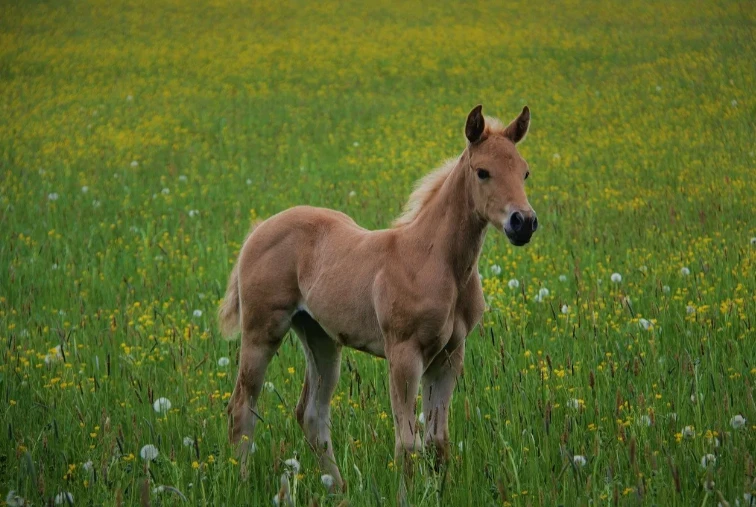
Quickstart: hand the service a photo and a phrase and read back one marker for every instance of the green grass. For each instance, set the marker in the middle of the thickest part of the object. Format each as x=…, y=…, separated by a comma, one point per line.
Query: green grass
x=187, y=120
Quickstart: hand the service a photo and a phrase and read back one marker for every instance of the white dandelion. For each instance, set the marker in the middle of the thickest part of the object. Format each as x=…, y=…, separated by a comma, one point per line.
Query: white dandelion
x=13, y=499
x=182, y=178
x=579, y=460
x=293, y=465
x=690, y=309
x=134, y=164
x=565, y=309
x=64, y=498
x=496, y=270
x=644, y=420
x=197, y=313
x=96, y=203
x=645, y=324
x=327, y=481
x=193, y=213
x=684, y=271
x=223, y=362
x=249, y=181
x=165, y=191
x=129, y=98
x=708, y=459
x=352, y=194
x=616, y=278
x=268, y=386
x=162, y=405
x=689, y=432
x=88, y=466
x=734, y=103
x=738, y=422
x=562, y=278
x=513, y=283
x=54, y=355
x=666, y=289
x=753, y=241
x=574, y=403
x=84, y=189
x=543, y=292
x=52, y=196
x=188, y=441
x=149, y=452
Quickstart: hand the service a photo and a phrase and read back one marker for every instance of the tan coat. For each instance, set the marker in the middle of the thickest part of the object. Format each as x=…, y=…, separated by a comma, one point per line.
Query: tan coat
x=410, y=293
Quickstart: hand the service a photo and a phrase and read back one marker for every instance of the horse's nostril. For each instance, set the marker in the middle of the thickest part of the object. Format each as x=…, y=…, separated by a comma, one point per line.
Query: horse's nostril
x=535, y=223
x=516, y=220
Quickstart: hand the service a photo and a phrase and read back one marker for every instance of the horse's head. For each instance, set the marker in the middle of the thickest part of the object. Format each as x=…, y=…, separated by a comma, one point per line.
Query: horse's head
x=498, y=174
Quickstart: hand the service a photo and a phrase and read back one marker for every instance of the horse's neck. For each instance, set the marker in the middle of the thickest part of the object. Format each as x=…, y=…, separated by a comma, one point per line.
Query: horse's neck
x=451, y=224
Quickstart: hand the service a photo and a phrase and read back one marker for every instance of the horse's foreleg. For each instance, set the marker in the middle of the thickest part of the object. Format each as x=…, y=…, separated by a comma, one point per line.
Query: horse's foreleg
x=321, y=377
x=439, y=381
x=405, y=369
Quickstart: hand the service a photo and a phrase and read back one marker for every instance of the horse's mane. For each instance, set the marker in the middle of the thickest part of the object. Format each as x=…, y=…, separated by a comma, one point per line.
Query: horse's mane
x=425, y=189
x=428, y=185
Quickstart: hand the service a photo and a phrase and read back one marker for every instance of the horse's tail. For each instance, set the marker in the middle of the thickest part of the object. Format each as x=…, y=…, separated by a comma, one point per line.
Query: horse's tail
x=230, y=307
x=229, y=312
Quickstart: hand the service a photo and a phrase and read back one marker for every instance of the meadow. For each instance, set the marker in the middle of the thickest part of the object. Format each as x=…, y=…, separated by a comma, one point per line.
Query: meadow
x=616, y=361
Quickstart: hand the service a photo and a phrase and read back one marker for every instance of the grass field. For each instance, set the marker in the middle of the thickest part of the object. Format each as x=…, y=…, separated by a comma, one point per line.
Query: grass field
x=138, y=140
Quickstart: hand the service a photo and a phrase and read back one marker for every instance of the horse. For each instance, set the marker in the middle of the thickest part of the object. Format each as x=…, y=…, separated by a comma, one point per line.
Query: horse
x=410, y=293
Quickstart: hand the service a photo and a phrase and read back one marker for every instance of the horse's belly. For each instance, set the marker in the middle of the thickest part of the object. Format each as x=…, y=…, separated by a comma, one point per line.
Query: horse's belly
x=351, y=326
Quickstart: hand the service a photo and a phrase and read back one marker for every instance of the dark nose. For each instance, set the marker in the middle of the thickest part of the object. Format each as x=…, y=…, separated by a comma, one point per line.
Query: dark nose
x=523, y=225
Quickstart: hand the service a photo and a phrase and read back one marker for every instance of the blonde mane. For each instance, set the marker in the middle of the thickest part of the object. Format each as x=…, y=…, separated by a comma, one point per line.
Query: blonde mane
x=429, y=184
x=425, y=189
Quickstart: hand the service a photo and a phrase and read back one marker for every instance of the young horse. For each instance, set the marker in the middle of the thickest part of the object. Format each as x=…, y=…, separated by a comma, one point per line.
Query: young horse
x=410, y=294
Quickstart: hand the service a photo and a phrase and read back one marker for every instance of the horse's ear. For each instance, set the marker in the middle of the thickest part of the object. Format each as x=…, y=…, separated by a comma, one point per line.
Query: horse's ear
x=475, y=124
x=516, y=130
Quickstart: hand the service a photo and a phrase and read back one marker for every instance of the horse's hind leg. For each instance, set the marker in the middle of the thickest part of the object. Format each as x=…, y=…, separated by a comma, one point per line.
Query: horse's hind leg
x=322, y=375
x=262, y=334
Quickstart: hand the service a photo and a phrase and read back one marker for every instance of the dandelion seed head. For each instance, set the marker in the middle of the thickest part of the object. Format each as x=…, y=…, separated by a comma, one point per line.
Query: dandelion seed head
x=223, y=361
x=188, y=441
x=738, y=422
x=293, y=465
x=562, y=278
x=684, y=271
x=496, y=270
x=134, y=164
x=579, y=460
x=197, y=313
x=162, y=405
x=327, y=481
x=149, y=452
x=513, y=283
x=565, y=309
x=616, y=278
x=708, y=459
x=52, y=196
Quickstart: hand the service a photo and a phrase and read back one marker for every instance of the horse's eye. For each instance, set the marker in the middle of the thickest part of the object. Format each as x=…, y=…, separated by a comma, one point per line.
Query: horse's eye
x=527, y=174
x=483, y=174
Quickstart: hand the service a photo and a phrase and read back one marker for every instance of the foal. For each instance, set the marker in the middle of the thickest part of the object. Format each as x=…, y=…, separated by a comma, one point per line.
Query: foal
x=410, y=293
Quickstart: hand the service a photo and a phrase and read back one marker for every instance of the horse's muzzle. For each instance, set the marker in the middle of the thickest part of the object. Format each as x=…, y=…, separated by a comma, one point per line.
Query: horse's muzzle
x=520, y=226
